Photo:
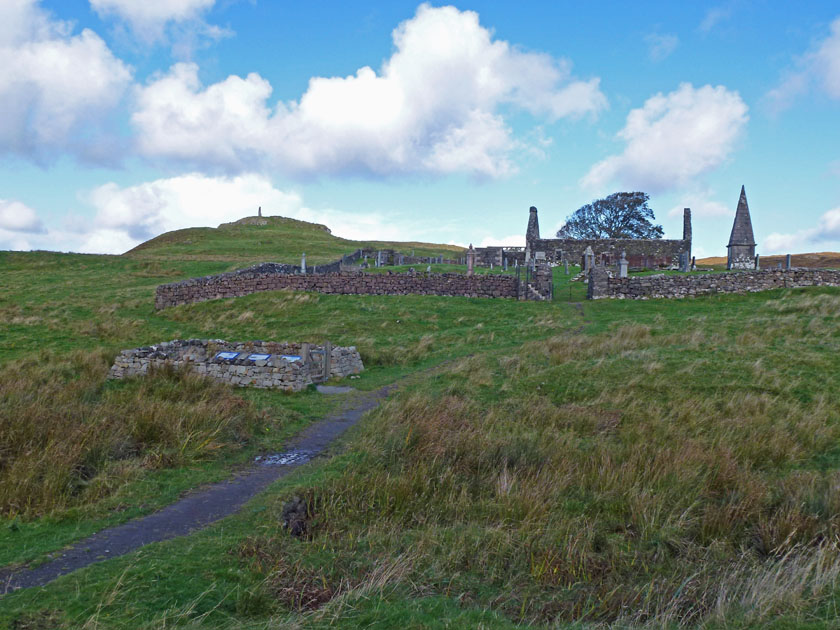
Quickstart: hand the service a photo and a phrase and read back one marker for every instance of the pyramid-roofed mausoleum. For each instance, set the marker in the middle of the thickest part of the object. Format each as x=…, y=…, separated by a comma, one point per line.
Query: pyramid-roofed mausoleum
x=741, y=248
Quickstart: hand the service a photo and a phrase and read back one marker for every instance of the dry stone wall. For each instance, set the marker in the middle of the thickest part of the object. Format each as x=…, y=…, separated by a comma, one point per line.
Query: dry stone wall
x=286, y=366
x=641, y=253
x=678, y=286
x=261, y=278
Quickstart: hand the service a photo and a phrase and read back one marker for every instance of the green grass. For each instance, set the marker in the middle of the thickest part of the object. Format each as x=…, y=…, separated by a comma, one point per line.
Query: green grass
x=279, y=240
x=568, y=464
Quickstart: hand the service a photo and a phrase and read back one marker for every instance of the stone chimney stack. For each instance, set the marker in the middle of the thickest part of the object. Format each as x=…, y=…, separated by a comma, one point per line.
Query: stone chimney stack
x=533, y=231
x=686, y=224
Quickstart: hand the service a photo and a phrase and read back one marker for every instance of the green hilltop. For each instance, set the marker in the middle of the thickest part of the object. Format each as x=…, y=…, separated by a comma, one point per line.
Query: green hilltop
x=275, y=239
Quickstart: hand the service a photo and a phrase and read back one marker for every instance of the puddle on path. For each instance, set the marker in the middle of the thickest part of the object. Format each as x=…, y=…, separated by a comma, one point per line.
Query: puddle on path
x=294, y=456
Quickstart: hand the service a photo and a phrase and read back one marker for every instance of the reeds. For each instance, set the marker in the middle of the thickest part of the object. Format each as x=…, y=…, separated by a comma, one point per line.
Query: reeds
x=68, y=437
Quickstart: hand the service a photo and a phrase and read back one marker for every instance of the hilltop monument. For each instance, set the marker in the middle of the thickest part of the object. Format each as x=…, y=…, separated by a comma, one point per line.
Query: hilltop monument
x=741, y=248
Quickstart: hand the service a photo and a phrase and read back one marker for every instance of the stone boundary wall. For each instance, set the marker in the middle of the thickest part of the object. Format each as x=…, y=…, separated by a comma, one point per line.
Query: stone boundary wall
x=245, y=282
x=678, y=286
x=641, y=253
x=288, y=366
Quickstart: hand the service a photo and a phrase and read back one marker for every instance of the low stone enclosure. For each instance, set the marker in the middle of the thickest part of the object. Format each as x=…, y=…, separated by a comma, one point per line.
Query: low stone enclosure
x=263, y=364
x=274, y=277
x=601, y=285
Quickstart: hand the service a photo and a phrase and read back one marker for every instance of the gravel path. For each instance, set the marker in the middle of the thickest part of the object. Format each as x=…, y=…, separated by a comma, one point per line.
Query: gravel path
x=199, y=508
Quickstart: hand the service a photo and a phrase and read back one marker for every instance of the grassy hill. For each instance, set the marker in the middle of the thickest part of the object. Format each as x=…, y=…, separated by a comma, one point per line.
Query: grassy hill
x=829, y=260
x=633, y=464
x=276, y=239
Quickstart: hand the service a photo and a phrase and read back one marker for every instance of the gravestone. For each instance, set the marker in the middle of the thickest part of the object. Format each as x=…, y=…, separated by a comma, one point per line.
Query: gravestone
x=685, y=265
x=566, y=266
x=588, y=259
x=622, y=265
x=756, y=263
x=303, y=263
x=470, y=261
x=787, y=262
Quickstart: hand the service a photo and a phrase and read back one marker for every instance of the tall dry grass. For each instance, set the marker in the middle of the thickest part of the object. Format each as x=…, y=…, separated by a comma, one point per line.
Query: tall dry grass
x=643, y=477
x=68, y=437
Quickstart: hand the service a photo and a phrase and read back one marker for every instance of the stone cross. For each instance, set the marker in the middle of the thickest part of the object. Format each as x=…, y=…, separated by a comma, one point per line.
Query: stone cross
x=622, y=265
x=470, y=261
x=303, y=263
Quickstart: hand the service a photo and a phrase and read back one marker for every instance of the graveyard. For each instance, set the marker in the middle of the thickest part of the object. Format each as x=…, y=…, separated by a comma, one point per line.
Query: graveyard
x=547, y=463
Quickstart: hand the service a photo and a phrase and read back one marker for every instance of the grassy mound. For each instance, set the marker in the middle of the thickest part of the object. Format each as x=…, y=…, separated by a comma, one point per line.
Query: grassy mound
x=276, y=239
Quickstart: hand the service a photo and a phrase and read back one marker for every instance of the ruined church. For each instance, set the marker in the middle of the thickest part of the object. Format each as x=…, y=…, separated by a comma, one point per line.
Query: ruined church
x=641, y=253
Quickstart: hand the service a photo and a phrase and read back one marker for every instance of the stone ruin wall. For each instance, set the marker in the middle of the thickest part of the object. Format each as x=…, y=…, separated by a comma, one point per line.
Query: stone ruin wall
x=275, y=372
x=679, y=286
x=641, y=253
x=240, y=283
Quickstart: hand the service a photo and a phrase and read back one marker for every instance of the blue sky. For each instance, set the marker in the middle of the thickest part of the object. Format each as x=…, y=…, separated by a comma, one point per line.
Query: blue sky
x=124, y=119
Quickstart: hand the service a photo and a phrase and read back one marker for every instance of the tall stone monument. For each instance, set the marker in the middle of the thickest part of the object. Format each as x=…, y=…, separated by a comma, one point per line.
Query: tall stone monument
x=532, y=233
x=470, y=261
x=741, y=248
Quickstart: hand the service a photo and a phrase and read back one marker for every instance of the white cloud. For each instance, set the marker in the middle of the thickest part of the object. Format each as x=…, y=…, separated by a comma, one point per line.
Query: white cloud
x=827, y=61
x=18, y=217
x=514, y=240
x=434, y=106
x=674, y=138
x=713, y=17
x=152, y=11
x=56, y=88
x=820, y=66
x=127, y=216
x=661, y=46
x=148, y=18
x=702, y=209
x=827, y=230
